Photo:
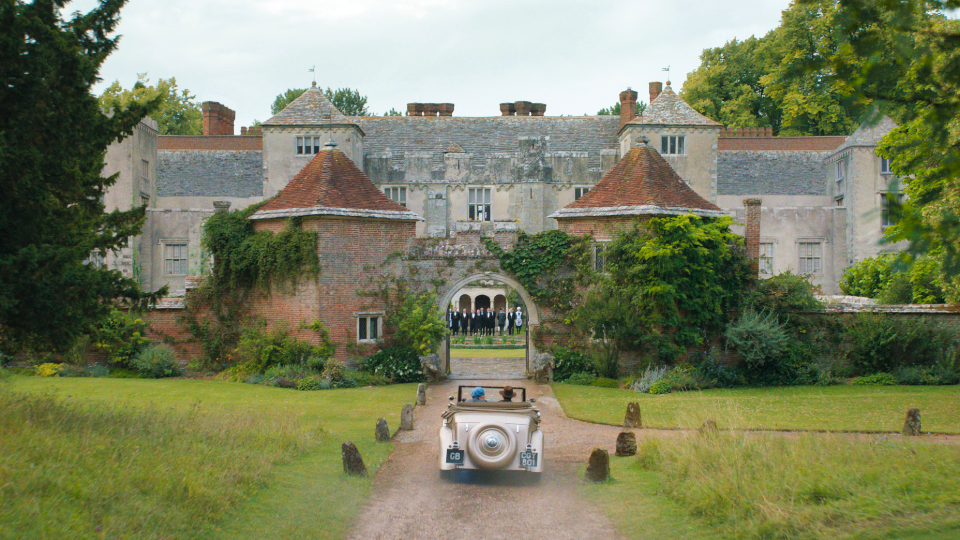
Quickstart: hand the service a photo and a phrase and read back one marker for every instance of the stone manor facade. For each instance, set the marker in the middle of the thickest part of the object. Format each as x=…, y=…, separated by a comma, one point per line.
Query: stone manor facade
x=822, y=198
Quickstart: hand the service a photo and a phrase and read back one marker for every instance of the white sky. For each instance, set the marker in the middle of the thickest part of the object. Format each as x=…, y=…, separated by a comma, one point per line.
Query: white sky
x=575, y=56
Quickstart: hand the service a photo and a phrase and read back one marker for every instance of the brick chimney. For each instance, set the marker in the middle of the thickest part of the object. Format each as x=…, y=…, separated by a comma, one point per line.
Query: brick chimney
x=655, y=89
x=751, y=233
x=446, y=109
x=628, y=106
x=508, y=109
x=538, y=109
x=217, y=119
x=523, y=108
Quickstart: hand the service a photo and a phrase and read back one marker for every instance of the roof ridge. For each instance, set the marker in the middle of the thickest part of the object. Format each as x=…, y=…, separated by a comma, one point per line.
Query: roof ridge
x=311, y=107
x=669, y=108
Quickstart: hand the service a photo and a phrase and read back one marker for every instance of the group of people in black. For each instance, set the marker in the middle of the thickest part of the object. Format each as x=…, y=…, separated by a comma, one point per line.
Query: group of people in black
x=484, y=322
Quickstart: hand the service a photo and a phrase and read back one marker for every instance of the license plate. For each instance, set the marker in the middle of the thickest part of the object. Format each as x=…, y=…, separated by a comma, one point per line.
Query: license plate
x=528, y=459
x=455, y=456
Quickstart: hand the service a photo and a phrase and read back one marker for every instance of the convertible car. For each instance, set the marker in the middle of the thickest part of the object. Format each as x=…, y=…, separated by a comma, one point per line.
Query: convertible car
x=491, y=435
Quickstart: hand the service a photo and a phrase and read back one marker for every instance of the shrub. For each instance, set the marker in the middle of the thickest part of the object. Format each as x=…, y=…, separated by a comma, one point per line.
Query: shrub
x=256, y=378
x=785, y=293
x=646, y=379
x=156, y=362
x=584, y=378
x=926, y=375
x=122, y=336
x=877, y=379
x=308, y=383
x=49, y=370
x=882, y=343
x=815, y=375
x=344, y=382
x=606, y=359
x=567, y=362
x=399, y=364
x=333, y=370
x=365, y=378
x=68, y=370
x=898, y=290
x=758, y=338
x=124, y=373
x=604, y=382
x=679, y=380
x=260, y=350
x=97, y=371
x=660, y=387
x=868, y=277
x=712, y=373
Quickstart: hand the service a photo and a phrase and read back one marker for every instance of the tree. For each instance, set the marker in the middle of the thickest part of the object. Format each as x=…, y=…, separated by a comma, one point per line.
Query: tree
x=615, y=109
x=727, y=86
x=53, y=138
x=394, y=112
x=178, y=113
x=346, y=100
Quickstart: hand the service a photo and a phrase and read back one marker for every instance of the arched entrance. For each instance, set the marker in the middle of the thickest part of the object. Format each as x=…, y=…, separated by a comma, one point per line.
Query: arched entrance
x=532, y=315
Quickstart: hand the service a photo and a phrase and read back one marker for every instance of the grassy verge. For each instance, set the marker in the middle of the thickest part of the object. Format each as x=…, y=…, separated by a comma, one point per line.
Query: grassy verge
x=806, y=486
x=95, y=458
x=831, y=408
x=487, y=353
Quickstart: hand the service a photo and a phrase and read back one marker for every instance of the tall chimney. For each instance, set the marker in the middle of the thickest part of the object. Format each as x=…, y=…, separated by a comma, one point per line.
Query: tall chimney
x=751, y=234
x=628, y=106
x=217, y=119
x=655, y=89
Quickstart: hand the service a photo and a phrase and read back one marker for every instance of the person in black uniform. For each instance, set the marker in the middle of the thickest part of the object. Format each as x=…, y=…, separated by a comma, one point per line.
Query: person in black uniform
x=491, y=321
x=511, y=317
x=501, y=321
x=474, y=322
x=464, y=322
x=454, y=322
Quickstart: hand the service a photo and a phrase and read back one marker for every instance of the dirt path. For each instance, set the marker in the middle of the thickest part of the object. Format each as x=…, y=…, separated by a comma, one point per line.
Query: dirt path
x=411, y=501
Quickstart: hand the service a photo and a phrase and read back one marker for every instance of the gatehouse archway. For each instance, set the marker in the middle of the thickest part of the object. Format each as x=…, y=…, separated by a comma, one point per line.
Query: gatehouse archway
x=531, y=317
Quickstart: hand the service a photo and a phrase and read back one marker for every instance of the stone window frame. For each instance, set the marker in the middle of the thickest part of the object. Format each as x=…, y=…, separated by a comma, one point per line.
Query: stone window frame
x=401, y=194
x=307, y=150
x=368, y=317
x=145, y=171
x=580, y=191
x=839, y=171
x=676, y=143
x=183, y=260
x=885, y=220
x=474, y=206
x=765, y=260
x=599, y=255
x=816, y=258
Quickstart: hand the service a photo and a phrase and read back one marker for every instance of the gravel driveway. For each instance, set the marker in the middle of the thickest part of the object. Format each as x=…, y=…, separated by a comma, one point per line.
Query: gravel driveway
x=411, y=501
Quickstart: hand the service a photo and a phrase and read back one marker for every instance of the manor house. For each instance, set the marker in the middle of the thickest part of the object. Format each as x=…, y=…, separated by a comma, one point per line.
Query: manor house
x=822, y=198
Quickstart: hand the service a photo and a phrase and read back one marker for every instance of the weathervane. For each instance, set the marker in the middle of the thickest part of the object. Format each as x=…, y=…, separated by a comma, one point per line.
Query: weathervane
x=667, y=69
x=313, y=69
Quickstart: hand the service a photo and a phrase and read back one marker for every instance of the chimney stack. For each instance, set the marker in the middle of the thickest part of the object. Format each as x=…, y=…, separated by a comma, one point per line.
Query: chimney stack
x=508, y=109
x=538, y=109
x=655, y=89
x=217, y=119
x=523, y=108
x=628, y=106
x=751, y=233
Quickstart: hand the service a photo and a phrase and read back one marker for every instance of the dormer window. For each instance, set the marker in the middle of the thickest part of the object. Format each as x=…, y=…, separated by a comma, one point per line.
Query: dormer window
x=308, y=145
x=671, y=145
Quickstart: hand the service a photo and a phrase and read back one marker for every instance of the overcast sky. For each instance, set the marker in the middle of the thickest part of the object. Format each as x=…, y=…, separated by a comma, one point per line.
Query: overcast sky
x=575, y=56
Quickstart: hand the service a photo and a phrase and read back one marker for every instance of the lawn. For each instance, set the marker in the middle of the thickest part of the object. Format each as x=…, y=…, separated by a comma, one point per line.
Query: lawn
x=114, y=458
x=829, y=408
x=487, y=353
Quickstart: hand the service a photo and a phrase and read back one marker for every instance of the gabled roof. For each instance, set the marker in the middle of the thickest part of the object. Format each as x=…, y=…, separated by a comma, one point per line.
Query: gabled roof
x=869, y=135
x=669, y=109
x=642, y=183
x=310, y=109
x=331, y=185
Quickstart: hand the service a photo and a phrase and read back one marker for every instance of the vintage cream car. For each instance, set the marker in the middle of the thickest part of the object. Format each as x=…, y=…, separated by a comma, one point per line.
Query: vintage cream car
x=492, y=435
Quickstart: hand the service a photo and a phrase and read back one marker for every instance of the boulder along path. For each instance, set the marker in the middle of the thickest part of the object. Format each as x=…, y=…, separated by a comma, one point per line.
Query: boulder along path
x=410, y=500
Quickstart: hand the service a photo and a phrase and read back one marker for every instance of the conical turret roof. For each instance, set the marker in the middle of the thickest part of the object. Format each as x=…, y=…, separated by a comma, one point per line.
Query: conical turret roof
x=642, y=183
x=332, y=185
x=310, y=109
x=669, y=109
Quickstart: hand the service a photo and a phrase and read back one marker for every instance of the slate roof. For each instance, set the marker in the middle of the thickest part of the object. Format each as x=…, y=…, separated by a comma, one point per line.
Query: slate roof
x=771, y=173
x=869, y=135
x=209, y=173
x=642, y=183
x=669, y=109
x=487, y=135
x=332, y=185
x=311, y=108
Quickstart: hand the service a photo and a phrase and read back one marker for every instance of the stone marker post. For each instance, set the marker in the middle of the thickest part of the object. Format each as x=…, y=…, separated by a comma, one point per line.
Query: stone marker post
x=598, y=468
x=382, y=432
x=632, y=418
x=709, y=427
x=352, y=461
x=406, y=417
x=911, y=426
x=626, y=444
x=421, y=394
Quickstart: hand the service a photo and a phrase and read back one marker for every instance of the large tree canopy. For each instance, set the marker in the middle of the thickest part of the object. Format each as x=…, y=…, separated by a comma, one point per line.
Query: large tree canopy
x=53, y=138
x=178, y=113
x=346, y=100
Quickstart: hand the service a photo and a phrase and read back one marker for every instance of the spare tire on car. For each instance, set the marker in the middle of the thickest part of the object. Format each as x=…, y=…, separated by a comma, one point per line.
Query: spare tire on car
x=492, y=446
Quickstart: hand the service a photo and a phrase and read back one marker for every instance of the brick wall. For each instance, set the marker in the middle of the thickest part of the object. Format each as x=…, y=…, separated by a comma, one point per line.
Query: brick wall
x=165, y=328
x=751, y=234
x=602, y=228
x=209, y=142
x=810, y=144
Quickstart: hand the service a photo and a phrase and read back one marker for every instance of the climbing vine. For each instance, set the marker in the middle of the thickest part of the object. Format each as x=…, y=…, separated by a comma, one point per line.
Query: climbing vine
x=550, y=265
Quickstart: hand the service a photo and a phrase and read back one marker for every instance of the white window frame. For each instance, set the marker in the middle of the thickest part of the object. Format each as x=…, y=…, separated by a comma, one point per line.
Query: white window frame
x=839, y=170
x=580, y=191
x=476, y=207
x=397, y=194
x=145, y=171
x=885, y=165
x=366, y=321
x=303, y=146
x=183, y=260
x=673, y=145
x=600, y=256
x=765, y=259
x=807, y=259
x=885, y=220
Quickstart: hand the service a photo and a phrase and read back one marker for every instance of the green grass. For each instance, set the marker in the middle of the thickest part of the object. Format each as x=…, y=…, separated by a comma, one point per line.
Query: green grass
x=830, y=408
x=487, y=353
x=184, y=458
x=796, y=487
